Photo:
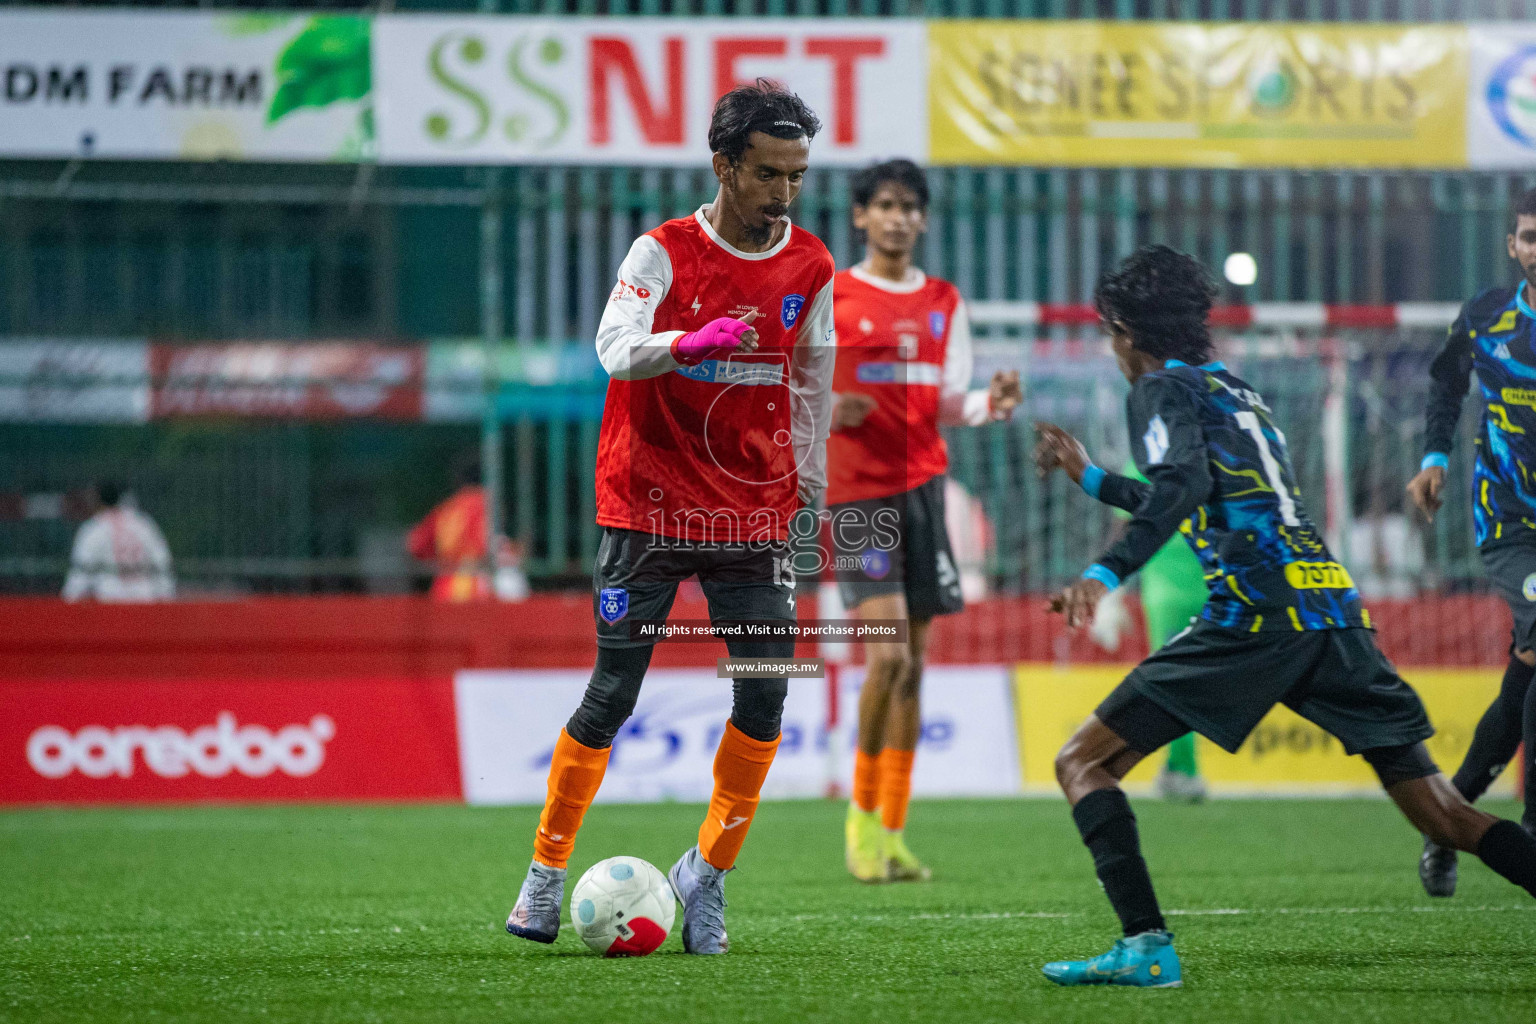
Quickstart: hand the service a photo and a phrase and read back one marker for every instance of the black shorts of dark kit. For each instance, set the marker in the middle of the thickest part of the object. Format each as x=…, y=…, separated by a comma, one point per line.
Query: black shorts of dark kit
x=920, y=564
x=1221, y=683
x=1509, y=565
x=741, y=582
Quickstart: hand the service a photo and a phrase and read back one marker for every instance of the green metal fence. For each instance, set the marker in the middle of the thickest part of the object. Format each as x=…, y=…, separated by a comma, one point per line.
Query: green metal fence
x=252, y=506
x=219, y=252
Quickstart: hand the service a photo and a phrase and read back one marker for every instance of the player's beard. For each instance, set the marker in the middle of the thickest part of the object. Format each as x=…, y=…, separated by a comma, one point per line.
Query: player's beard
x=758, y=234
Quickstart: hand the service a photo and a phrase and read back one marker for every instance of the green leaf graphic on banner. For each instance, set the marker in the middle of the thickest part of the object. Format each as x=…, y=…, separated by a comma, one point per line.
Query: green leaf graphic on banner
x=326, y=63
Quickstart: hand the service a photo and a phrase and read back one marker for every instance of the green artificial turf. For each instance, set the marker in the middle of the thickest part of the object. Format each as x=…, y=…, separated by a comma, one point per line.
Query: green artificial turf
x=385, y=913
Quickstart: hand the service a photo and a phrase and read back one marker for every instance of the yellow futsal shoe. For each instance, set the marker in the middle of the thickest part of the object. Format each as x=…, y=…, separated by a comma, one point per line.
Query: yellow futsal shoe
x=864, y=848
x=901, y=863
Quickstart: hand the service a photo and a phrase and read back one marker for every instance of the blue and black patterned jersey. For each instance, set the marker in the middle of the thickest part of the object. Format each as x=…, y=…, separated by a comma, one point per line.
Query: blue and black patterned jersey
x=1219, y=472
x=1492, y=335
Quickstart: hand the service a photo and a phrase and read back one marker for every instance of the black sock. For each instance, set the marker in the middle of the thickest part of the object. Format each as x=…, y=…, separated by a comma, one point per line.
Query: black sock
x=1529, y=736
x=1108, y=829
x=1511, y=851
x=1497, y=734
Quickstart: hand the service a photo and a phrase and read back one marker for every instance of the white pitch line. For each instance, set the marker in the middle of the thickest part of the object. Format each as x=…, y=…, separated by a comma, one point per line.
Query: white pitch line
x=1209, y=912
x=1230, y=911
x=1003, y=915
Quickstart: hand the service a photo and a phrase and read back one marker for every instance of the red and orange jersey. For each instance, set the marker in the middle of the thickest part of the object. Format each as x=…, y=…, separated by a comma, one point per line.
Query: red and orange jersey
x=692, y=451
x=908, y=346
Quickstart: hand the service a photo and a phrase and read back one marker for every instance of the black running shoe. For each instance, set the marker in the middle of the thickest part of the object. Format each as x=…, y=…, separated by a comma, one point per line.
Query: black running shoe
x=1437, y=869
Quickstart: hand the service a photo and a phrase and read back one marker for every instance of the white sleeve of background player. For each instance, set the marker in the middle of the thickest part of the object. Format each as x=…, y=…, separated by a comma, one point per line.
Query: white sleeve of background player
x=959, y=404
x=811, y=394
x=625, y=345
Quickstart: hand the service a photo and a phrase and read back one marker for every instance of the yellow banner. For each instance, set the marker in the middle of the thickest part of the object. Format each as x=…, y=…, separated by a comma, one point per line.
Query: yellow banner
x=1285, y=754
x=1182, y=94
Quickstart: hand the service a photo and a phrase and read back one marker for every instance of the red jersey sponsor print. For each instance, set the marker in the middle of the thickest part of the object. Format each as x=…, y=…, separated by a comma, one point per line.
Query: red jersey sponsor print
x=908, y=346
x=717, y=451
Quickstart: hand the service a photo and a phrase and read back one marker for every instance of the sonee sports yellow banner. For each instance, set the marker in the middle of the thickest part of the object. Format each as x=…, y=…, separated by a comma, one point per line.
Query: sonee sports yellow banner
x=1179, y=94
x=1284, y=754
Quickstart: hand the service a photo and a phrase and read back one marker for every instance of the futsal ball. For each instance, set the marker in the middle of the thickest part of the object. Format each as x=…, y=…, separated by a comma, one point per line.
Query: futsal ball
x=623, y=906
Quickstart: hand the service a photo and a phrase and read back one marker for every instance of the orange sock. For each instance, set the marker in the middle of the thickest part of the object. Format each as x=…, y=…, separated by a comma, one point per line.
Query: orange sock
x=741, y=765
x=575, y=772
x=866, y=780
x=895, y=786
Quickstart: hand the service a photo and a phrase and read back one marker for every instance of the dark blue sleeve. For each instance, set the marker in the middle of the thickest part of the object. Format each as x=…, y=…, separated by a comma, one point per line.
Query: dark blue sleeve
x=1123, y=492
x=1449, y=377
x=1169, y=447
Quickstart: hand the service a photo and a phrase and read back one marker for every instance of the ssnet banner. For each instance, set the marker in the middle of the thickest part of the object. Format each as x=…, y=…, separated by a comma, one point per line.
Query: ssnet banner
x=636, y=91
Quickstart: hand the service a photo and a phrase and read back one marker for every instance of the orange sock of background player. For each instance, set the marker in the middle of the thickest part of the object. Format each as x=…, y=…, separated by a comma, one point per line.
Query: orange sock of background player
x=866, y=780
x=895, y=787
x=741, y=765
x=575, y=772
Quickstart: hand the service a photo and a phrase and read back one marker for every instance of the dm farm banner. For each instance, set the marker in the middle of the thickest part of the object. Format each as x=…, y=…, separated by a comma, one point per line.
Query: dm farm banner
x=1182, y=94
x=184, y=86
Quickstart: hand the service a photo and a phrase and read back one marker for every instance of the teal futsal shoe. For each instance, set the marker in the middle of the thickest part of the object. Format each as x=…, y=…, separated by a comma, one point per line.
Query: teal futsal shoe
x=1145, y=961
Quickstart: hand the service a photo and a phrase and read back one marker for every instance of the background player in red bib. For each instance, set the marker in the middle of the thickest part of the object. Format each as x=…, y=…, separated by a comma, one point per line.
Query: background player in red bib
x=719, y=342
x=903, y=369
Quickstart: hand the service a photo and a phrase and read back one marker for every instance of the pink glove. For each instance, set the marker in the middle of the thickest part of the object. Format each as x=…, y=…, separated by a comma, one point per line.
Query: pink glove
x=717, y=338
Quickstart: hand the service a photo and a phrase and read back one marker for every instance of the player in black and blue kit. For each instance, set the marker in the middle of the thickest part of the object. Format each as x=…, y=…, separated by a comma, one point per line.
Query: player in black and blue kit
x=1495, y=334
x=1284, y=623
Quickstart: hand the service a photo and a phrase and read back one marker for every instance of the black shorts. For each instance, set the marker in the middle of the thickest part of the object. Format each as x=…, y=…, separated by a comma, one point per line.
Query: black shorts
x=896, y=545
x=1220, y=683
x=1511, y=565
x=636, y=577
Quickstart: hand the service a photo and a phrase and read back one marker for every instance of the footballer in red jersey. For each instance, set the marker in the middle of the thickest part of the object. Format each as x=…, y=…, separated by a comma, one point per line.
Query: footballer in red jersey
x=719, y=343
x=903, y=370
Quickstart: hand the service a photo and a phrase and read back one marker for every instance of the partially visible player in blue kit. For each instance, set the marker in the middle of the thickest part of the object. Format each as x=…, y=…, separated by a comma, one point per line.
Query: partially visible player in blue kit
x=1496, y=336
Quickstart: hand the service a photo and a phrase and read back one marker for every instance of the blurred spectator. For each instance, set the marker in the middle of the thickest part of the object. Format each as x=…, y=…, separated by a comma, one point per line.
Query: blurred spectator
x=453, y=536
x=120, y=555
x=1386, y=556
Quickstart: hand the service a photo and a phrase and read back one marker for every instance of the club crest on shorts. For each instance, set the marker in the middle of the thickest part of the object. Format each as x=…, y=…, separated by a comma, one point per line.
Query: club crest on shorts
x=612, y=604
x=875, y=563
x=1528, y=588
x=789, y=310
x=936, y=323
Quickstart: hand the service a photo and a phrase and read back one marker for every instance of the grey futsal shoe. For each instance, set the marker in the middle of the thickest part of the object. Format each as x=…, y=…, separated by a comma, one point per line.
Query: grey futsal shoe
x=537, y=913
x=700, y=887
x=1180, y=787
x=1437, y=869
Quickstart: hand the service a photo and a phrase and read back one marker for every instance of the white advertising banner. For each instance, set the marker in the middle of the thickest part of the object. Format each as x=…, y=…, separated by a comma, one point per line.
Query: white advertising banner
x=636, y=91
x=1501, y=97
x=74, y=380
x=186, y=86
x=508, y=722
